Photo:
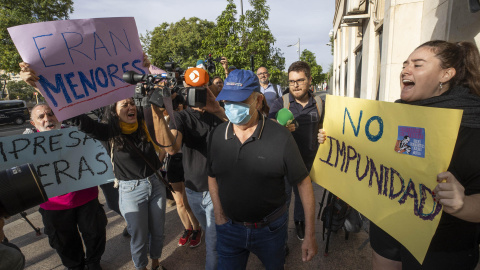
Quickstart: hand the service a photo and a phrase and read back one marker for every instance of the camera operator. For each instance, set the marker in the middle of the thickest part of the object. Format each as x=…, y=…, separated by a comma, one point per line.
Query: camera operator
x=11, y=257
x=74, y=216
x=189, y=133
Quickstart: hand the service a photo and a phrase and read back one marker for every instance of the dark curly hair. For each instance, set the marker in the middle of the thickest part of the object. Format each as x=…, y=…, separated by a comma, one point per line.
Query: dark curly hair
x=110, y=117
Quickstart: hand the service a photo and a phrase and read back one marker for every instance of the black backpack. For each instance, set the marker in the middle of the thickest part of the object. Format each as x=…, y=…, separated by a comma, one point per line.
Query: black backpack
x=336, y=215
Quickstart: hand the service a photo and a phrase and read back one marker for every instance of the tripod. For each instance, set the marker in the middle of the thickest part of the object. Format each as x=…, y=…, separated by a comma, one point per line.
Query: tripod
x=36, y=229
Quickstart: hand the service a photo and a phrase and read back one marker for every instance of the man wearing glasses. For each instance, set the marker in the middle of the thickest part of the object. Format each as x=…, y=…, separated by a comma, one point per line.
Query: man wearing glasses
x=309, y=116
x=269, y=90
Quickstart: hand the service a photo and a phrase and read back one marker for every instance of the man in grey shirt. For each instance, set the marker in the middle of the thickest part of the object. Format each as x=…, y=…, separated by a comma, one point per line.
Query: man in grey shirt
x=269, y=90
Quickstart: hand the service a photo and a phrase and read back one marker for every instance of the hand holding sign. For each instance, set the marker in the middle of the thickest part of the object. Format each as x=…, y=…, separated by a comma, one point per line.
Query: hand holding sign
x=322, y=136
x=79, y=63
x=28, y=75
x=361, y=164
x=449, y=192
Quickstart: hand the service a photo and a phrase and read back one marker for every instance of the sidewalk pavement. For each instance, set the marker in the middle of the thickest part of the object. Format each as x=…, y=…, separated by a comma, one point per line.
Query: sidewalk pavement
x=343, y=254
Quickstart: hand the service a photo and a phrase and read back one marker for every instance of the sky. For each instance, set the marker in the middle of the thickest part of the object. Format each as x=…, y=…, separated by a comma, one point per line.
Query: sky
x=307, y=20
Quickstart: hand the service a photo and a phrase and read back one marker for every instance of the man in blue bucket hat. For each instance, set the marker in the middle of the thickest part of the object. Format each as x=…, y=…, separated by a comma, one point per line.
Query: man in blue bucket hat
x=248, y=158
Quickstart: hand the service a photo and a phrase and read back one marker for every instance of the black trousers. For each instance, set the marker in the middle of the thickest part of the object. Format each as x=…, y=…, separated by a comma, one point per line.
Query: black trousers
x=63, y=228
x=11, y=258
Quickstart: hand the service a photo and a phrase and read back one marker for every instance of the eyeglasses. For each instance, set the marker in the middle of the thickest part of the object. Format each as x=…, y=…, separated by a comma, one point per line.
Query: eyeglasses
x=299, y=82
x=263, y=73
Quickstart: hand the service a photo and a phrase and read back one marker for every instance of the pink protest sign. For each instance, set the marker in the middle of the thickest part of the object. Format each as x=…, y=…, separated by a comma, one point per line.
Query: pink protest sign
x=80, y=63
x=156, y=70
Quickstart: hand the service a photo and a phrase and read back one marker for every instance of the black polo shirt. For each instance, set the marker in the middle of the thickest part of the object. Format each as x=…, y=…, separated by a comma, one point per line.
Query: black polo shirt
x=195, y=127
x=309, y=121
x=250, y=176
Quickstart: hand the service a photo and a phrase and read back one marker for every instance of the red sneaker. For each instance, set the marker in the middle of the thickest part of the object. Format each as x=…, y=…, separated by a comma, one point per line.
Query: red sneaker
x=184, y=239
x=196, y=238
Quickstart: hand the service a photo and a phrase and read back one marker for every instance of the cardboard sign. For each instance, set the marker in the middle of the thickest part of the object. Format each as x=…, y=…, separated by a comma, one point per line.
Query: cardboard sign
x=383, y=160
x=66, y=160
x=80, y=63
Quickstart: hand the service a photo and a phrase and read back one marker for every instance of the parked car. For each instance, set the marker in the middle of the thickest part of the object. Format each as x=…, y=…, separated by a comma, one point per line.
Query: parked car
x=13, y=111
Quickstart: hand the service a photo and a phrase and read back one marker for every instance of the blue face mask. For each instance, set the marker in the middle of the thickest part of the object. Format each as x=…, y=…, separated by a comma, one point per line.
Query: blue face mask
x=237, y=112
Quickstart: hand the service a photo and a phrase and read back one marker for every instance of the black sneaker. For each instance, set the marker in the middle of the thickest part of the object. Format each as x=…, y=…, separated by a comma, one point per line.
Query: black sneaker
x=77, y=268
x=300, y=229
x=94, y=266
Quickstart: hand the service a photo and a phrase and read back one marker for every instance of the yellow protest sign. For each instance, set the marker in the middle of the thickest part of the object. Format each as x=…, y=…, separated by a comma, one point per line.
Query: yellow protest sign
x=382, y=158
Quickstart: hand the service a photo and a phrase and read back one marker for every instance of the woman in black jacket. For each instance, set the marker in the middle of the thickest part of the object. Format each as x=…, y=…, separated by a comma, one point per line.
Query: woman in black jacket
x=141, y=194
x=444, y=75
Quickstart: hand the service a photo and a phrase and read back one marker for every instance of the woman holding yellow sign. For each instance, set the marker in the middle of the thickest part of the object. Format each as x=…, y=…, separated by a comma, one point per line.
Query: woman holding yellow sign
x=444, y=75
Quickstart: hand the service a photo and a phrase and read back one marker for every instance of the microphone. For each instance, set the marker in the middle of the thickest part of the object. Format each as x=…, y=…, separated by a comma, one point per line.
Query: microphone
x=284, y=117
x=196, y=77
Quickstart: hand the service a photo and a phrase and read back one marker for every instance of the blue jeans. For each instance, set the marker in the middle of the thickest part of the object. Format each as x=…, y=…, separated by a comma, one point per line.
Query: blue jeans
x=298, y=214
x=202, y=207
x=142, y=203
x=235, y=242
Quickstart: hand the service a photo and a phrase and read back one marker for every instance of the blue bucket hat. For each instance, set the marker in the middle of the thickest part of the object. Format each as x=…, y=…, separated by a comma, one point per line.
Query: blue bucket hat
x=239, y=85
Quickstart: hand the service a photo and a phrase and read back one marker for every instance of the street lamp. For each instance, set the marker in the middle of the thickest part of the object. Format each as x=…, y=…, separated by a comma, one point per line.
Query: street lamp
x=298, y=47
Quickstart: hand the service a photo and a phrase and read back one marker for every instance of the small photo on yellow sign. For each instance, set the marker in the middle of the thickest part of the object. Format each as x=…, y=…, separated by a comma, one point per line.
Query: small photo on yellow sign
x=411, y=141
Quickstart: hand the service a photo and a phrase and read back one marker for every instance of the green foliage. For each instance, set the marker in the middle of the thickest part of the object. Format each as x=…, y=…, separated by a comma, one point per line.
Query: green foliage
x=279, y=77
x=223, y=40
x=316, y=69
x=20, y=89
x=178, y=42
x=17, y=12
x=189, y=40
x=239, y=39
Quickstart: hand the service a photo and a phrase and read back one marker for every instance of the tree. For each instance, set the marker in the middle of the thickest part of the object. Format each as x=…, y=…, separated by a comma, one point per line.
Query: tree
x=223, y=40
x=316, y=70
x=178, y=42
x=20, y=89
x=189, y=40
x=15, y=12
x=239, y=39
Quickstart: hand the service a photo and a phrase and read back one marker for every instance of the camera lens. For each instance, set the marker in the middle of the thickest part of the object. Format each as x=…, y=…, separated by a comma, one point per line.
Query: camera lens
x=211, y=68
x=20, y=189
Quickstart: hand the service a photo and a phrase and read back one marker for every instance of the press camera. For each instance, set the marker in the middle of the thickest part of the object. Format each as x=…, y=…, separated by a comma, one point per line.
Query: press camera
x=149, y=88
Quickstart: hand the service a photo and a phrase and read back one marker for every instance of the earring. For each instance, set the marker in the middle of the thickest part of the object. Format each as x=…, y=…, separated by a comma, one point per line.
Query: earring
x=441, y=86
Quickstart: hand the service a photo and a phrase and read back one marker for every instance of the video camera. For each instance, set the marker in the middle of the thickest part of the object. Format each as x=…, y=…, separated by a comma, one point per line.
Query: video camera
x=148, y=90
x=20, y=189
x=210, y=63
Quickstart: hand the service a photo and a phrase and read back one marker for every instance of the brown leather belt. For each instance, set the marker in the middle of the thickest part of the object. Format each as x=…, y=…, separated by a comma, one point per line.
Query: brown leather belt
x=267, y=220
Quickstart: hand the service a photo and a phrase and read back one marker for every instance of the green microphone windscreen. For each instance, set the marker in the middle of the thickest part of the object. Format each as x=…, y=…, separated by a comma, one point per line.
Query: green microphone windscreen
x=284, y=116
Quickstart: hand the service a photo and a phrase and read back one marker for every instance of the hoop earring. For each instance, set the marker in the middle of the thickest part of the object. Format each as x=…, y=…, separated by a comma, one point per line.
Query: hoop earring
x=441, y=86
